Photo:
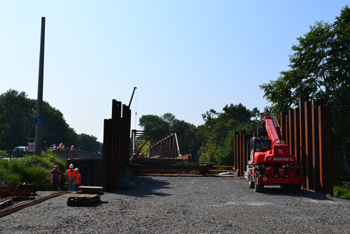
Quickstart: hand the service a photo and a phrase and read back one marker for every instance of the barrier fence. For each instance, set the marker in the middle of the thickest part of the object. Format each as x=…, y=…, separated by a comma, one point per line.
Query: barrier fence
x=307, y=130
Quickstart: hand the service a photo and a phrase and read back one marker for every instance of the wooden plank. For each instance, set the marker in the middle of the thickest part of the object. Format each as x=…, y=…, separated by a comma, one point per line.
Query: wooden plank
x=5, y=201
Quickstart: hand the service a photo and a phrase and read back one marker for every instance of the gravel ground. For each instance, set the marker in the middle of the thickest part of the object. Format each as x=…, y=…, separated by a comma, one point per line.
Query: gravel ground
x=187, y=205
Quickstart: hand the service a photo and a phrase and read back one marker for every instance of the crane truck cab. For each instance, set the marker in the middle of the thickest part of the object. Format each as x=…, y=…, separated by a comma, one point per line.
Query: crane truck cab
x=258, y=144
x=269, y=160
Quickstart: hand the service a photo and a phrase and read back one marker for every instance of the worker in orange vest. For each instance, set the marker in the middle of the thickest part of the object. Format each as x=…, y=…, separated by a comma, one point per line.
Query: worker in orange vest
x=72, y=148
x=78, y=180
x=56, y=177
x=71, y=177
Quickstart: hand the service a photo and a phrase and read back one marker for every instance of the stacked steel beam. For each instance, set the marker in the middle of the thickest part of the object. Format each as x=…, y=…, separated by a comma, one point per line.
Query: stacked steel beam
x=307, y=130
x=116, y=144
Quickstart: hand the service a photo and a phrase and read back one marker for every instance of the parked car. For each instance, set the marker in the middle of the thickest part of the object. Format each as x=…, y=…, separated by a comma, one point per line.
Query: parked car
x=20, y=151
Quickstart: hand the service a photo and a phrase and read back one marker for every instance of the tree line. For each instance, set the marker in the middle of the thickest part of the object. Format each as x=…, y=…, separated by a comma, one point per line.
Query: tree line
x=17, y=115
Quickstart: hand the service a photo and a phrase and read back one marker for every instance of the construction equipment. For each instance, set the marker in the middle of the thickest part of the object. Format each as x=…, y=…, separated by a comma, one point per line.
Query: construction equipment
x=269, y=160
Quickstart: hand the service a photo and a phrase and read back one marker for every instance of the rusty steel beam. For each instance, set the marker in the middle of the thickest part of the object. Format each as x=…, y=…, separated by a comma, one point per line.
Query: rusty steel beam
x=241, y=171
x=115, y=159
x=322, y=148
x=315, y=145
x=125, y=137
x=235, y=151
x=329, y=157
x=283, y=125
x=238, y=153
x=286, y=131
x=308, y=146
x=107, y=155
x=291, y=132
x=302, y=137
x=296, y=136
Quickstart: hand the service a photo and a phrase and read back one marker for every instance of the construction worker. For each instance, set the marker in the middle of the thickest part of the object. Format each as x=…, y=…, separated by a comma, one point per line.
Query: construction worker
x=78, y=180
x=71, y=177
x=56, y=177
x=72, y=148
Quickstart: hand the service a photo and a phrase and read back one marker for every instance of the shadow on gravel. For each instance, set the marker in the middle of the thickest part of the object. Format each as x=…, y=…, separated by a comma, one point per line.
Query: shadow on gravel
x=304, y=193
x=146, y=186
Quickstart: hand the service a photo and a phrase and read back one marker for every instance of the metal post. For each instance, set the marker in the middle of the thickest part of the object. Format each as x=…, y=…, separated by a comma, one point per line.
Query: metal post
x=39, y=112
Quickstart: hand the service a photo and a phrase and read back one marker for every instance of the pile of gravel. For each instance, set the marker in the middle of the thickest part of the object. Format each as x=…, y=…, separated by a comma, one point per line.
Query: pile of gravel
x=187, y=205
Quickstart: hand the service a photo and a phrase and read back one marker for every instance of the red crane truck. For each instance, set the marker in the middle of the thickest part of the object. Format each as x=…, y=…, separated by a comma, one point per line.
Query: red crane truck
x=269, y=160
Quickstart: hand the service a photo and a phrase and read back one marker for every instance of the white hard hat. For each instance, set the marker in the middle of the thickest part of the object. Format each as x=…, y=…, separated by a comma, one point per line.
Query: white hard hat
x=76, y=169
x=71, y=166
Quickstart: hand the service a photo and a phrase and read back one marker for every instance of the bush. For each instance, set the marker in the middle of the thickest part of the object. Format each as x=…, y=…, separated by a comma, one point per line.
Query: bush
x=3, y=154
x=9, y=178
x=341, y=192
x=31, y=169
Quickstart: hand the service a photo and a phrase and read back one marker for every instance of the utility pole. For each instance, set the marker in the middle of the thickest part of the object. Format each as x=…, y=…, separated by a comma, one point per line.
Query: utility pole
x=39, y=110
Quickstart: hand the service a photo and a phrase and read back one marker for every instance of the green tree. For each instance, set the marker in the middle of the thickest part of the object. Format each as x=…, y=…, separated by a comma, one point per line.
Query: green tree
x=319, y=68
x=15, y=112
x=153, y=123
x=218, y=131
x=88, y=142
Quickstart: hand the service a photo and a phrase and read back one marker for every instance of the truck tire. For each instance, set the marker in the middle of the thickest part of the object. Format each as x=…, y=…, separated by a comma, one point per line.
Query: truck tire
x=295, y=188
x=258, y=188
x=250, y=181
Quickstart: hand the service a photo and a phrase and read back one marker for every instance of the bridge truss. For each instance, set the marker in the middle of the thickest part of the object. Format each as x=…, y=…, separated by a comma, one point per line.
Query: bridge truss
x=164, y=144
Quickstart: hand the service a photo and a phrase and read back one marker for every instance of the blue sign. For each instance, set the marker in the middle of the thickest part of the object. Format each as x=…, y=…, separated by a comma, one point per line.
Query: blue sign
x=38, y=120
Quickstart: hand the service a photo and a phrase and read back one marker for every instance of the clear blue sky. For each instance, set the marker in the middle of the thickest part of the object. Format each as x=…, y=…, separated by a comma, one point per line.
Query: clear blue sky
x=185, y=57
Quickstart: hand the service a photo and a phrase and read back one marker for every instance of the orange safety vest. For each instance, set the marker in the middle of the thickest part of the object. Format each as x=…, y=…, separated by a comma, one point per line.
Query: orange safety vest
x=70, y=176
x=59, y=176
x=78, y=180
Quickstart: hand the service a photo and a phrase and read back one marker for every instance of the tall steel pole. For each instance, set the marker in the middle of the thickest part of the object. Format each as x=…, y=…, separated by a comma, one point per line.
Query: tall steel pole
x=39, y=111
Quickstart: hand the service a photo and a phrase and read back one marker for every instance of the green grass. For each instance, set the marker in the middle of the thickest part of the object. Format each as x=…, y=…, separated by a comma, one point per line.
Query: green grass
x=31, y=169
x=341, y=192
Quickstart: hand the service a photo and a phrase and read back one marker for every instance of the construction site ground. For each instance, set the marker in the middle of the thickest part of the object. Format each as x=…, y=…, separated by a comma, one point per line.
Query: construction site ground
x=159, y=204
